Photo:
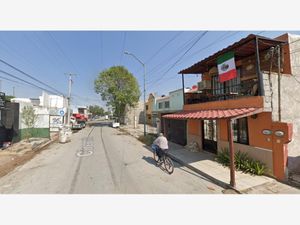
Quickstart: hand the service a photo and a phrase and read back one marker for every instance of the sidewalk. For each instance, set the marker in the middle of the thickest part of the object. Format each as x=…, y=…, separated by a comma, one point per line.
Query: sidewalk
x=205, y=164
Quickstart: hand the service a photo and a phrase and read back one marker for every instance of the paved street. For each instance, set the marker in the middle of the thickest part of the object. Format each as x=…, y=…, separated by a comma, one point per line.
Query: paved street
x=99, y=160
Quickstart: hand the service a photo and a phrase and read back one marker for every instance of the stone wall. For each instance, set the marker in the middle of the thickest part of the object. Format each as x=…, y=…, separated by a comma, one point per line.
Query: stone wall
x=134, y=112
x=290, y=108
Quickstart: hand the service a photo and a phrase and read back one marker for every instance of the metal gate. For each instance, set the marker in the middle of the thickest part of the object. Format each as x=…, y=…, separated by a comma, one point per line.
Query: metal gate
x=176, y=131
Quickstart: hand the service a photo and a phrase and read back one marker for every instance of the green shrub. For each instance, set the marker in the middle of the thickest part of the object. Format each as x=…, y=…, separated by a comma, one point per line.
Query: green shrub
x=148, y=139
x=242, y=162
x=223, y=157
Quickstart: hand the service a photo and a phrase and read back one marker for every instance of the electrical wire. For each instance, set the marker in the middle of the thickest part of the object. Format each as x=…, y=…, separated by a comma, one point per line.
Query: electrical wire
x=14, y=81
x=61, y=50
x=164, y=63
x=26, y=74
x=27, y=82
x=163, y=46
x=199, y=38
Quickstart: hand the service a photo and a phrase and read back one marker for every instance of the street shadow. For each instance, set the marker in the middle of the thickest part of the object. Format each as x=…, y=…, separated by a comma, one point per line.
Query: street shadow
x=100, y=124
x=190, y=157
x=149, y=160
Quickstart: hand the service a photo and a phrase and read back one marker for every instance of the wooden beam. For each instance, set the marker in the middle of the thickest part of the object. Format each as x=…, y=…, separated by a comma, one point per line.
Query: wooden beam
x=231, y=154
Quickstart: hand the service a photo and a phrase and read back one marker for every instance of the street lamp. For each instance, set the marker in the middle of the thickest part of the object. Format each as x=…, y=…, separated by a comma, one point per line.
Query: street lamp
x=144, y=66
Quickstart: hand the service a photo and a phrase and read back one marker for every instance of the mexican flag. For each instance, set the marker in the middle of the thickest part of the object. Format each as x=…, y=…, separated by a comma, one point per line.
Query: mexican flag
x=226, y=67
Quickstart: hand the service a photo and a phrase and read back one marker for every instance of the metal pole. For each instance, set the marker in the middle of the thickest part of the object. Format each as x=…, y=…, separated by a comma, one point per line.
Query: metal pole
x=144, y=99
x=14, y=92
x=69, y=99
x=231, y=154
x=183, y=88
x=279, y=84
x=261, y=91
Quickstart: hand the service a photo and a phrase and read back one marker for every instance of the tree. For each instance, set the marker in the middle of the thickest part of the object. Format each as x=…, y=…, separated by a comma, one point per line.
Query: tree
x=96, y=110
x=118, y=87
x=29, y=118
x=8, y=98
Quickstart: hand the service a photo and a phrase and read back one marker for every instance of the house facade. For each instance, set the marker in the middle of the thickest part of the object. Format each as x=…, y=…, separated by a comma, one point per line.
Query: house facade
x=165, y=105
x=257, y=110
x=149, y=110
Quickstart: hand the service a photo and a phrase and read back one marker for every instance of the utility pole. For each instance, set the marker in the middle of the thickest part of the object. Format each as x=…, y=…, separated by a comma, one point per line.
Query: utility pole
x=14, y=92
x=144, y=67
x=69, y=97
x=0, y=85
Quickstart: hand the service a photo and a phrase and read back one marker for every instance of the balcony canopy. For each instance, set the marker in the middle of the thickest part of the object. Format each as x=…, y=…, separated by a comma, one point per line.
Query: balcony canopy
x=213, y=114
x=243, y=48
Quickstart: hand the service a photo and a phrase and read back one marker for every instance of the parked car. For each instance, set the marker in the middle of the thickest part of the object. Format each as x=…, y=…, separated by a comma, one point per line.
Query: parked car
x=115, y=123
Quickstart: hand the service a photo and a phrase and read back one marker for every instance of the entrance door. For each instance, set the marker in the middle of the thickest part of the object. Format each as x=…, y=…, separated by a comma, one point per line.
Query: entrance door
x=210, y=135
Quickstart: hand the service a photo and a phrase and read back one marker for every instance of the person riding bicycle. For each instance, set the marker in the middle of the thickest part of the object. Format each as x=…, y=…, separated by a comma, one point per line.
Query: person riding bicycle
x=159, y=145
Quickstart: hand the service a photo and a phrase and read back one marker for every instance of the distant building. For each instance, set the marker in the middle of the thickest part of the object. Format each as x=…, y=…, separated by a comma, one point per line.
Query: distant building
x=134, y=115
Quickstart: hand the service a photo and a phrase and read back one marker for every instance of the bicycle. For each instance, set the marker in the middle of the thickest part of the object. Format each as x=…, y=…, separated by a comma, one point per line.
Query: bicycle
x=166, y=160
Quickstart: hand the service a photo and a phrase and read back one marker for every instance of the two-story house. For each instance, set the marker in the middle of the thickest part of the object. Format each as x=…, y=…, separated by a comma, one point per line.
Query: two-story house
x=257, y=112
x=165, y=105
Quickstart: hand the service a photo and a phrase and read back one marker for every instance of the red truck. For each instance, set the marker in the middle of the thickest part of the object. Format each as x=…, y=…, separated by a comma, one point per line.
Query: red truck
x=78, y=120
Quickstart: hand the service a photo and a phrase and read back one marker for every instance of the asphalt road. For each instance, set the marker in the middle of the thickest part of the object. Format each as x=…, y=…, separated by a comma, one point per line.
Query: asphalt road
x=101, y=160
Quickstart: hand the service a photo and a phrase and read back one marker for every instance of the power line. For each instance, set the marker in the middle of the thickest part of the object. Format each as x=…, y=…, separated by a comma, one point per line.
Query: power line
x=33, y=78
x=221, y=38
x=199, y=38
x=61, y=50
x=165, y=62
x=163, y=46
x=48, y=50
x=27, y=82
x=14, y=81
x=13, y=52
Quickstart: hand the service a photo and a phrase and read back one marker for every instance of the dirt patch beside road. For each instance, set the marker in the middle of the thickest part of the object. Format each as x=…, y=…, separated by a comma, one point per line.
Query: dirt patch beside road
x=9, y=160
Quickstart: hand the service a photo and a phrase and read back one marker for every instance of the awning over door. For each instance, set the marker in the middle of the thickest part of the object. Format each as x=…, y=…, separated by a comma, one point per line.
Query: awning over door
x=212, y=114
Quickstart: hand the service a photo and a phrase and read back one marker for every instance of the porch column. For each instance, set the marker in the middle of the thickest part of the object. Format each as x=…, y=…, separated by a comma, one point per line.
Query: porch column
x=231, y=154
x=261, y=91
x=182, y=77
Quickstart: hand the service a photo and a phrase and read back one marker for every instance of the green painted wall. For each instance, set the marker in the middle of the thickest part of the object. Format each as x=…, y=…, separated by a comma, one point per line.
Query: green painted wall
x=35, y=132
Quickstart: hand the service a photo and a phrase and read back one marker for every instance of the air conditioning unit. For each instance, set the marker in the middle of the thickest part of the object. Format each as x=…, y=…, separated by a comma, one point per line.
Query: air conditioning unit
x=205, y=84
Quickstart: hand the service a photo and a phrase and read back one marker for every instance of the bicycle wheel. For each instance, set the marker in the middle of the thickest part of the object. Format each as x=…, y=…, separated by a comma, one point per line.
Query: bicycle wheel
x=169, y=166
x=155, y=156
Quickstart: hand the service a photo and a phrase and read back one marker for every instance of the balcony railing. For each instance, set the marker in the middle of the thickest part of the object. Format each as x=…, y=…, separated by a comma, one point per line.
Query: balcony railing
x=245, y=88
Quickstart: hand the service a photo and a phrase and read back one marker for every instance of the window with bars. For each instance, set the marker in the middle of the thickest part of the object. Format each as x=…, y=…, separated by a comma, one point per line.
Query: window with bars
x=231, y=86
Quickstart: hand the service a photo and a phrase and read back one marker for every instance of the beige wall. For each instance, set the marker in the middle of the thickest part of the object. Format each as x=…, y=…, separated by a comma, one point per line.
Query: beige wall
x=261, y=154
x=131, y=112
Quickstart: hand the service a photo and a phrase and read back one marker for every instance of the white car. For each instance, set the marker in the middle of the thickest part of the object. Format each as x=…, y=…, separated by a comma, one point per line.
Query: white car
x=115, y=124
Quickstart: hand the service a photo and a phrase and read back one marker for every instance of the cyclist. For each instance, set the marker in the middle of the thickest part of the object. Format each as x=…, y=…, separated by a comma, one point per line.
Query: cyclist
x=159, y=145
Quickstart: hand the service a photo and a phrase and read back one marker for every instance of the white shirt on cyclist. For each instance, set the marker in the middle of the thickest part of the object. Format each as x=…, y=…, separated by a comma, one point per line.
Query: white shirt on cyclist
x=161, y=142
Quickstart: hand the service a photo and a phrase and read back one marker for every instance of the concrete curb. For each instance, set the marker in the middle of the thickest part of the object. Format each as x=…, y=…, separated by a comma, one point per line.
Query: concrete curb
x=40, y=147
